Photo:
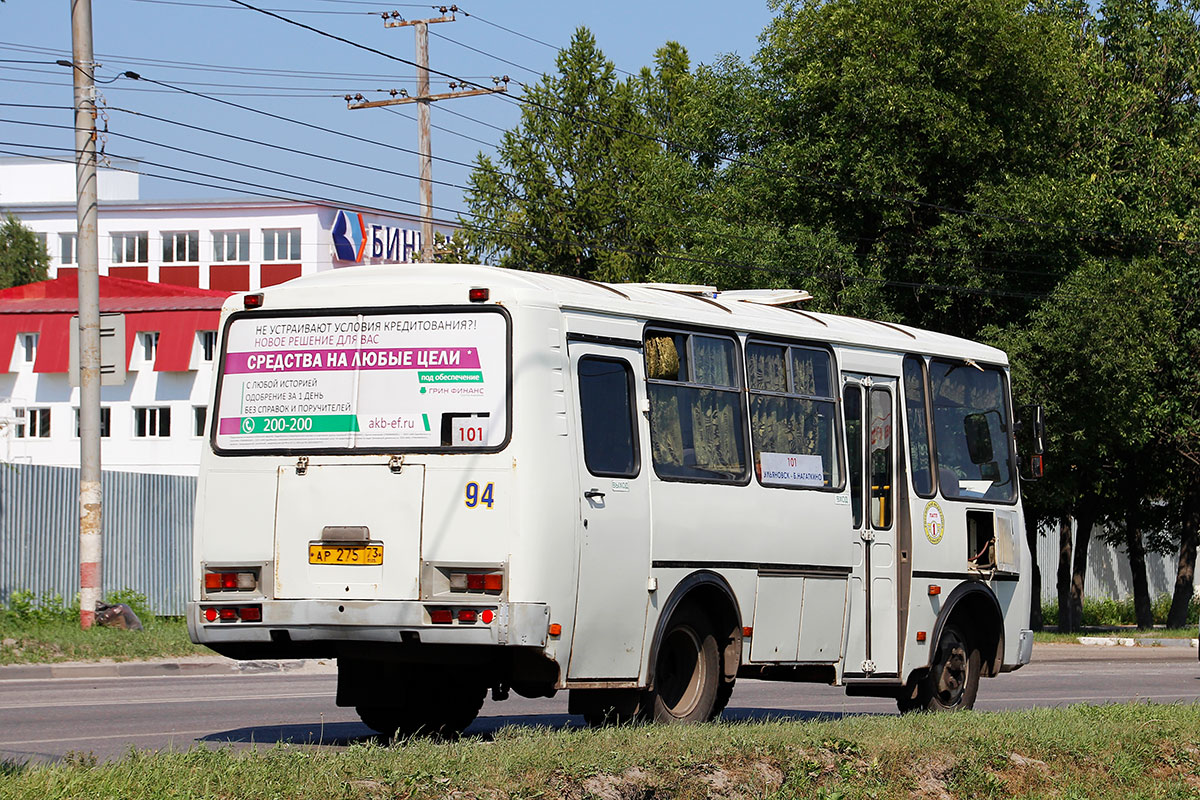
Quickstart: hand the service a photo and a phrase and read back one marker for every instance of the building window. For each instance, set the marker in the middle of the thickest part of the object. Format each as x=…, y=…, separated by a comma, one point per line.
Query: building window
x=105, y=420
x=66, y=248
x=32, y=423
x=149, y=343
x=152, y=422
x=281, y=244
x=208, y=344
x=182, y=246
x=41, y=237
x=200, y=419
x=130, y=248
x=231, y=246
x=29, y=343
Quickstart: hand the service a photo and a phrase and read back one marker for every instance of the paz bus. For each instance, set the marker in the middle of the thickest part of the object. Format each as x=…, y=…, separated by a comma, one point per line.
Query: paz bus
x=459, y=479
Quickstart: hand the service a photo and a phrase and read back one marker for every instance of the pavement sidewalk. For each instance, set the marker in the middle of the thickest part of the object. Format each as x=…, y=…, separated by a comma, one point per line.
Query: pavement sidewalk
x=191, y=665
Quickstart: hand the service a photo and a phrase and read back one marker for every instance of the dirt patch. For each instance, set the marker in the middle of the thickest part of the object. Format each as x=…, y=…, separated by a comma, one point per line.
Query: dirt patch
x=932, y=778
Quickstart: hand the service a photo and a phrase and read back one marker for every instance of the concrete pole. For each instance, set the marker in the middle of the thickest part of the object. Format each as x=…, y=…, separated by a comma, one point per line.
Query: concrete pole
x=89, y=312
x=424, y=145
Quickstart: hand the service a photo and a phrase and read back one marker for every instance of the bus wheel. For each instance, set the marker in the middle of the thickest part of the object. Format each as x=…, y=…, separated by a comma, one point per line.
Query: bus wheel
x=687, y=671
x=440, y=707
x=953, y=678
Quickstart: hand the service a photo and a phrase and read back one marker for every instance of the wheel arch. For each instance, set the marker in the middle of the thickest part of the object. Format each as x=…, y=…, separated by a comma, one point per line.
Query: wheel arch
x=973, y=605
x=711, y=593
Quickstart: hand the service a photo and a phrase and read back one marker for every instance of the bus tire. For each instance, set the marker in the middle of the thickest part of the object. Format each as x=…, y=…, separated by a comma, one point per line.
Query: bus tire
x=687, y=671
x=440, y=708
x=952, y=681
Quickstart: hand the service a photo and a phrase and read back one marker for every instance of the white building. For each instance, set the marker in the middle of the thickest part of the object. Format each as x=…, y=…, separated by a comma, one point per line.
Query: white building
x=236, y=245
x=197, y=252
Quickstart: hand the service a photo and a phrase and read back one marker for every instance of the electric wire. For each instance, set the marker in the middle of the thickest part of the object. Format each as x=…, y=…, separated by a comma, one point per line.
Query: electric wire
x=663, y=142
x=772, y=269
x=702, y=232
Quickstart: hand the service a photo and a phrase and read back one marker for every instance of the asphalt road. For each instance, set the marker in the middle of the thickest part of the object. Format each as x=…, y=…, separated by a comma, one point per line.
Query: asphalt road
x=46, y=718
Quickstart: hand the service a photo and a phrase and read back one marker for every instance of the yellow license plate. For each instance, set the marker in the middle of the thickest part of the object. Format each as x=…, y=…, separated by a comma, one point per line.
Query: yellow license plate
x=346, y=554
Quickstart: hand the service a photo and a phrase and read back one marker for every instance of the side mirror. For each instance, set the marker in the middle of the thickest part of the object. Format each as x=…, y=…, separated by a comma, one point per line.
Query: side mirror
x=979, y=438
x=1031, y=433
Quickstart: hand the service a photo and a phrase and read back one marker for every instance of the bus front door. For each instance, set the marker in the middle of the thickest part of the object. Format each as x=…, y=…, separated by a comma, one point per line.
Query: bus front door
x=869, y=403
x=614, y=534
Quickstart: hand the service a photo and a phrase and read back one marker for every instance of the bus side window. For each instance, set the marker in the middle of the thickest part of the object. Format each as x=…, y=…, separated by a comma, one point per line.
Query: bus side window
x=606, y=413
x=852, y=408
x=918, y=425
x=697, y=428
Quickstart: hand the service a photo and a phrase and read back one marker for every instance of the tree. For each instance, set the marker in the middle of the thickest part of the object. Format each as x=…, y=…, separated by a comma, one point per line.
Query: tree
x=563, y=194
x=23, y=257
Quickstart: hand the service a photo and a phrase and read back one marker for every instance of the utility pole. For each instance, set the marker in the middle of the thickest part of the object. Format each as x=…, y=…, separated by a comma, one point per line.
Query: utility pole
x=423, y=98
x=84, y=70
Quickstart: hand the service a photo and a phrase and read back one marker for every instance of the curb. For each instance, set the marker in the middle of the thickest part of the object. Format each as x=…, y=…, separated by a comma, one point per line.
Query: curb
x=1123, y=641
x=147, y=669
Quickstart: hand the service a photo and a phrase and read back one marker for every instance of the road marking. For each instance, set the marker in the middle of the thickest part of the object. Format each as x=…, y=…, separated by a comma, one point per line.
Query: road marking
x=154, y=702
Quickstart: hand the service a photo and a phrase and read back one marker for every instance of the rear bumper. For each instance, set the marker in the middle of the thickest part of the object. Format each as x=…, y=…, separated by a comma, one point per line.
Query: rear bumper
x=313, y=621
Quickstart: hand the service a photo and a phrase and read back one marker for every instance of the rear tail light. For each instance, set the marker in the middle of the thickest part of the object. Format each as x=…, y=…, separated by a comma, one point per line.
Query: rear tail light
x=231, y=581
x=467, y=615
x=233, y=613
x=441, y=616
x=477, y=582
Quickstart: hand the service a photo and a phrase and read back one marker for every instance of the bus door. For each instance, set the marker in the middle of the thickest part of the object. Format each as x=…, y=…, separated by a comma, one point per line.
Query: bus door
x=869, y=404
x=614, y=502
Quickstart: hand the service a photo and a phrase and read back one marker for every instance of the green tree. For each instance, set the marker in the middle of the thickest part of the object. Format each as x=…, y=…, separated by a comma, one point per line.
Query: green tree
x=23, y=257
x=562, y=194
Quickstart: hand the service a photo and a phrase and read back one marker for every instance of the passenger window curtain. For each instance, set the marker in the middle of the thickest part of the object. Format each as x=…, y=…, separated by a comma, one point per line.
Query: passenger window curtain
x=766, y=369
x=715, y=361
x=716, y=428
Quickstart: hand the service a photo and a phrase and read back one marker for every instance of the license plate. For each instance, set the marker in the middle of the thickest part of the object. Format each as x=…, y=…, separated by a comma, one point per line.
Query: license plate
x=346, y=554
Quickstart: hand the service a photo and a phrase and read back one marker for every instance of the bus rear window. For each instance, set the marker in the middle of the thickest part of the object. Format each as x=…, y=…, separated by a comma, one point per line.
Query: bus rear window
x=363, y=382
x=970, y=421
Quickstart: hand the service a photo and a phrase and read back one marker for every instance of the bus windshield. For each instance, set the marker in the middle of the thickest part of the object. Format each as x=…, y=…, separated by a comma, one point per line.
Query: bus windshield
x=371, y=381
x=971, y=431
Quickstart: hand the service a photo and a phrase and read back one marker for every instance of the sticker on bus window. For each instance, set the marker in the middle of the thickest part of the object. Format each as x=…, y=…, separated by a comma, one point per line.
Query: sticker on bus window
x=373, y=380
x=791, y=469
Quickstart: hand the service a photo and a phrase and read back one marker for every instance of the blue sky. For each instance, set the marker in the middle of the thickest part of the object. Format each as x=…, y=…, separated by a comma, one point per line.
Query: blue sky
x=243, y=57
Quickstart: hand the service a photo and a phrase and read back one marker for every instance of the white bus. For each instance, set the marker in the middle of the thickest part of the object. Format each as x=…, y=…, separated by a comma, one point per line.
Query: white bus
x=457, y=479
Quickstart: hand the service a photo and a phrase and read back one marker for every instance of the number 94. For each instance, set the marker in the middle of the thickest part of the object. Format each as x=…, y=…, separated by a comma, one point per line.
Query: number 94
x=474, y=497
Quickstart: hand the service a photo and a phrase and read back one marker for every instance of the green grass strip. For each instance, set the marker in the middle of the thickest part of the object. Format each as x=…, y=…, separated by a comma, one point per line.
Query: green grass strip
x=1116, y=751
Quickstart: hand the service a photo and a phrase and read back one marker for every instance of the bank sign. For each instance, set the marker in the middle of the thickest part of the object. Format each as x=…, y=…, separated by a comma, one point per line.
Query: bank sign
x=355, y=241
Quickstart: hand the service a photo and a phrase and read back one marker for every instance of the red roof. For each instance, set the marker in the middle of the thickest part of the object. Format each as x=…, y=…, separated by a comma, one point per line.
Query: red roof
x=46, y=307
x=116, y=295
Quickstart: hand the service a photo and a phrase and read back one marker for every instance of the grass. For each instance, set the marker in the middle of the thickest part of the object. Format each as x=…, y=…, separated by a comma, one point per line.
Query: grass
x=1052, y=637
x=27, y=642
x=1116, y=751
x=36, y=630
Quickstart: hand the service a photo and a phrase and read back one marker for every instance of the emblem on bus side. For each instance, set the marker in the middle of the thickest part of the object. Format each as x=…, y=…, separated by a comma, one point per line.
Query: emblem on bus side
x=935, y=522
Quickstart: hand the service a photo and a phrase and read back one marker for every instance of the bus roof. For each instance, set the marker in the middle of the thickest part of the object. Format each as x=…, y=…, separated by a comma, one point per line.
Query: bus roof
x=750, y=311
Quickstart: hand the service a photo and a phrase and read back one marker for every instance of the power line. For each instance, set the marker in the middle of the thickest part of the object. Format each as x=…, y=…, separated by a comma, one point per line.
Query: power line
x=663, y=142
x=913, y=285
x=193, y=4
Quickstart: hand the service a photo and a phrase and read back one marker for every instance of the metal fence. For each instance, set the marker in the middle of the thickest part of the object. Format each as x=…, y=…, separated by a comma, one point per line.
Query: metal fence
x=146, y=529
x=1108, y=573
x=147, y=533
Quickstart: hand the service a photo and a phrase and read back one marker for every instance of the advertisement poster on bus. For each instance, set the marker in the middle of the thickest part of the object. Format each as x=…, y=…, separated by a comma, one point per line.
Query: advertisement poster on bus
x=363, y=381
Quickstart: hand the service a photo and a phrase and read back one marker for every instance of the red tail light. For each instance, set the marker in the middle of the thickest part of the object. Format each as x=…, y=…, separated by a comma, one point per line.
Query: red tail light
x=493, y=583
x=475, y=582
x=467, y=615
x=441, y=616
x=210, y=614
x=229, y=613
x=251, y=614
